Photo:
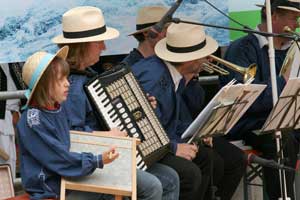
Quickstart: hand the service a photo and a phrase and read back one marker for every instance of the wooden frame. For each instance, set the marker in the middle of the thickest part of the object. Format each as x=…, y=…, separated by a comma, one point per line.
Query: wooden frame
x=124, y=146
x=6, y=183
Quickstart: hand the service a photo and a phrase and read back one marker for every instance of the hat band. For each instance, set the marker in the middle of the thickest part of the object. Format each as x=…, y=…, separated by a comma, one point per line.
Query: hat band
x=287, y=3
x=83, y=34
x=142, y=26
x=186, y=49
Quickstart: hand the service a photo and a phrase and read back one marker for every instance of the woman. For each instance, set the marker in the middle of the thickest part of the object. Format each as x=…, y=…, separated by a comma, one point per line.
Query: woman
x=84, y=31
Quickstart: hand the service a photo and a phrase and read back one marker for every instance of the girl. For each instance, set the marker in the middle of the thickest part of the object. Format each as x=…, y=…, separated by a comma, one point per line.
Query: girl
x=44, y=129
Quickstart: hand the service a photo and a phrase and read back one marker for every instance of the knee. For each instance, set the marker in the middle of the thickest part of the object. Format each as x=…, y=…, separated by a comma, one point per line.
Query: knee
x=148, y=186
x=193, y=175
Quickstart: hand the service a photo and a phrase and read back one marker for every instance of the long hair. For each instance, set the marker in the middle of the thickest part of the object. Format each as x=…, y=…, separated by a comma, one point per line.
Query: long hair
x=77, y=53
x=56, y=69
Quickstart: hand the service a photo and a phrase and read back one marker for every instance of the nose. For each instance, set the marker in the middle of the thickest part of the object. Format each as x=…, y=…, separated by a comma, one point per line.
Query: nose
x=102, y=45
x=67, y=83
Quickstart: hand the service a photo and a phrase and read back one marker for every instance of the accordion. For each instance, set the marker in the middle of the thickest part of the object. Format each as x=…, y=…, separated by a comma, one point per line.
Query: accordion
x=119, y=102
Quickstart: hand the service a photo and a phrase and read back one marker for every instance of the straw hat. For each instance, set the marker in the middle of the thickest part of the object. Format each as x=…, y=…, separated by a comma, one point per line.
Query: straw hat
x=292, y=5
x=35, y=67
x=147, y=16
x=185, y=42
x=84, y=24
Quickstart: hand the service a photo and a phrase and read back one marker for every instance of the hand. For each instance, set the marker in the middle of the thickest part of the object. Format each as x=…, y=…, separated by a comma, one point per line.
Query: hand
x=117, y=132
x=187, y=151
x=208, y=141
x=152, y=101
x=110, y=155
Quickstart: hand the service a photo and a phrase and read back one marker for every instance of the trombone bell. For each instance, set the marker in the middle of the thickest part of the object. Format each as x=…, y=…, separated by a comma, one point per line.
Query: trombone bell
x=248, y=73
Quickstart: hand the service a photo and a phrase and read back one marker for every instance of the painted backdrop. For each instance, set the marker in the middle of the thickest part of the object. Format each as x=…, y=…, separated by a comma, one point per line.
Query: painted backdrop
x=27, y=26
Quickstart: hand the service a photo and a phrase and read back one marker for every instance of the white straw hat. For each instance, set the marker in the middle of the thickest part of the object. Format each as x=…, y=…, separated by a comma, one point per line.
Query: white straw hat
x=35, y=67
x=147, y=16
x=292, y=5
x=185, y=42
x=84, y=24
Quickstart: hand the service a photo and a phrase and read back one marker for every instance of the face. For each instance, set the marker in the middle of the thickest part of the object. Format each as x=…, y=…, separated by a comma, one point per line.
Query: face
x=94, y=50
x=286, y=18
x=192, y=68
x=60, y=89
x=159, y=36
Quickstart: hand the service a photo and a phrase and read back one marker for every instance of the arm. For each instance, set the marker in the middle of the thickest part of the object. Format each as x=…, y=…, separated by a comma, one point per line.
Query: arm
x=243, y=53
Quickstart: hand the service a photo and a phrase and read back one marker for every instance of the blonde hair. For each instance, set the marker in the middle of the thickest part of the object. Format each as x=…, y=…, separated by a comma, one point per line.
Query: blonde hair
x=58, y=66
x=77, y=53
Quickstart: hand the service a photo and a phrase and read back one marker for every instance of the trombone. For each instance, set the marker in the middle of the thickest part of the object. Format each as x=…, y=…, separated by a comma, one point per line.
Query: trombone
x=248, y=73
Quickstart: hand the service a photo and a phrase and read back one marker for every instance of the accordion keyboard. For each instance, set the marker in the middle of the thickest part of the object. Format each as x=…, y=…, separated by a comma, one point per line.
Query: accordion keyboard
x=121, y=103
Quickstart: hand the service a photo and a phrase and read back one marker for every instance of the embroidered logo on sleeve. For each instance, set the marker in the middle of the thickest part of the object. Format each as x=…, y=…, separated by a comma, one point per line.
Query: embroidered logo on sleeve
x=33, y=117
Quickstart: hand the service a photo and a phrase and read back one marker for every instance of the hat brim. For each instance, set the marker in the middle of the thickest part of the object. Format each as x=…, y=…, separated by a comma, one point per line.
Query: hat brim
x=162, y=51
x=110, y=33
x=139, y=31
x=281, y=7
x=62, y=53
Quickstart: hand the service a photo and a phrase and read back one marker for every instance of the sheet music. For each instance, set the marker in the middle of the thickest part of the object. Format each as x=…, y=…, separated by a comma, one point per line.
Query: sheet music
x=224, y=110
x=285, y=113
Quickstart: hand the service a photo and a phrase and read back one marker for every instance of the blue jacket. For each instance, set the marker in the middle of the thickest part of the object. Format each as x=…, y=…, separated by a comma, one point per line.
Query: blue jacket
x=193, y=93
x=156, y=80
x=79, y=109
x=44, y=142
x=244, y=52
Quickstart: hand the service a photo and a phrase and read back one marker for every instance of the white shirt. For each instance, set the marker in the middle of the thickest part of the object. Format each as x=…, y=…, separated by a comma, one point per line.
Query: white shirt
x=6, y=126
x=176, y=76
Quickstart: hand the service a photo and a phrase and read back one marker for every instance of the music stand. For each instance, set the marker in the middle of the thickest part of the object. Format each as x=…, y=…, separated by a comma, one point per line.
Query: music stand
x=117, y=178
x=286, y=113
x=223, y=111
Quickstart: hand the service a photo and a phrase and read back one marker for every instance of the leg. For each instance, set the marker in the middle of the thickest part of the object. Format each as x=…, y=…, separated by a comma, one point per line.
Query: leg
x=169, y=180
x=148, y=186
x=234, y=167
x=211, y=165
x=189, y=176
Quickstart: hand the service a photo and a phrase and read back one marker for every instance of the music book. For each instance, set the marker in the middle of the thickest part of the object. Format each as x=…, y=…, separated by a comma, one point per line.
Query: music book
x=224, y=110
x=285, y=114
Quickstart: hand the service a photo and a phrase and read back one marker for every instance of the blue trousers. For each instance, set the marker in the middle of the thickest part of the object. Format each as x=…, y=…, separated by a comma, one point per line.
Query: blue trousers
x=159, y=182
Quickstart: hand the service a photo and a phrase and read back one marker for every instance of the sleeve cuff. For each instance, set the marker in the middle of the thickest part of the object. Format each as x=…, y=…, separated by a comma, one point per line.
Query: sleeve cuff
x=173, y=147
x=99, y=161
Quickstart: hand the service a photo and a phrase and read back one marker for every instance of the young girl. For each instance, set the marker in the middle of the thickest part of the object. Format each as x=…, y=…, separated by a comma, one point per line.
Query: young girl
x=44, y=129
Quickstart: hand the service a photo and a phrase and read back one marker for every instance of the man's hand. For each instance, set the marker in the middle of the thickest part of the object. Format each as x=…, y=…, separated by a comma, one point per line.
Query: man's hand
x=208, y=141
x=187, y=151
x=110, y=155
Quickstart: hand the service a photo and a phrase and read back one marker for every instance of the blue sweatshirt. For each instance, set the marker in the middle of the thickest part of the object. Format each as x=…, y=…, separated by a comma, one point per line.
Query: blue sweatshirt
x=44, y=153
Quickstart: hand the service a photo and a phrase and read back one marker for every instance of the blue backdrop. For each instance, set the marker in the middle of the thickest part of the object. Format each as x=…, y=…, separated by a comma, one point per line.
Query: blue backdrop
x=28, y=26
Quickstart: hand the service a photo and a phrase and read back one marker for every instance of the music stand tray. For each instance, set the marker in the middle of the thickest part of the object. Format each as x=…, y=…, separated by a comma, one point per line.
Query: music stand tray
x=285, y=114
x=117, y=178
x=224, y=110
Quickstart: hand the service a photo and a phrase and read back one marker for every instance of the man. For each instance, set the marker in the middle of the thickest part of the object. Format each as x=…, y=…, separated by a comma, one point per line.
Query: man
x=147, y=39
x=253, y=48
x=191, y=183
x=179, y=57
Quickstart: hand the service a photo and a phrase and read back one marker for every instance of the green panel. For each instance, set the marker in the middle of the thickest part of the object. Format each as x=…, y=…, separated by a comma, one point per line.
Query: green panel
x=248, y=18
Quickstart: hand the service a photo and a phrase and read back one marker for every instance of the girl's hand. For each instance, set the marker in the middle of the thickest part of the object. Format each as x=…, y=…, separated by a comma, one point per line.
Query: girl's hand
x=110, y=155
